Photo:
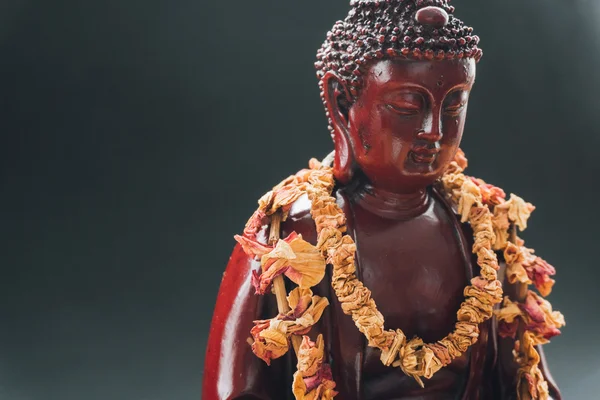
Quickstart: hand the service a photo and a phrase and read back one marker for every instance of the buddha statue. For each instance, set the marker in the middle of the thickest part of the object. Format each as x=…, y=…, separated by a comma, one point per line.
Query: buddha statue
x=384, y=272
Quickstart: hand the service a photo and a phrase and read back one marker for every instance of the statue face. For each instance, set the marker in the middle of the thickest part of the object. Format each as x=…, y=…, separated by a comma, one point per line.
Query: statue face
x=407, y=123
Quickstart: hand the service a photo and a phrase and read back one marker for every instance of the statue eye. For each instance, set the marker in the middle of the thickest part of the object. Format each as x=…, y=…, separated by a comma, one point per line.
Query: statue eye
x=454, y=110
x=404, y=109
x=406, y=104
x=455, y=102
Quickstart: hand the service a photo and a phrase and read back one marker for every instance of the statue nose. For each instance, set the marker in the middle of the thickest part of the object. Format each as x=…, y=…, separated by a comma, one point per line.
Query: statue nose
x=431, y=135
x=431, y=130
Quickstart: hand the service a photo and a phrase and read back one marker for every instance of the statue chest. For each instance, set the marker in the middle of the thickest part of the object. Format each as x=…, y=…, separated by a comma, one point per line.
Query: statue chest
x=416, y=270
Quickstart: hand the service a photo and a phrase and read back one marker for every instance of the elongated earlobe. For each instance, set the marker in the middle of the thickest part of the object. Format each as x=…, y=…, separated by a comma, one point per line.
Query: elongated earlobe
x=337, y=99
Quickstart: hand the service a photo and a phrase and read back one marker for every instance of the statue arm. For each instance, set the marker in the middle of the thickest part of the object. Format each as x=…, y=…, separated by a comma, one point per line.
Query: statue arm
x=553, y=388
x=231, y=370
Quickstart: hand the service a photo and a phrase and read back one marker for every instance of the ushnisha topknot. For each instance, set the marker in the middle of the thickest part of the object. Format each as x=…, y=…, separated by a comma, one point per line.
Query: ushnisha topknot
x=378, y=29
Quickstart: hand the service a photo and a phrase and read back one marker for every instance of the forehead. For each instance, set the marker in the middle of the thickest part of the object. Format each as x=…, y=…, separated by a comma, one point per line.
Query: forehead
x=434, y=76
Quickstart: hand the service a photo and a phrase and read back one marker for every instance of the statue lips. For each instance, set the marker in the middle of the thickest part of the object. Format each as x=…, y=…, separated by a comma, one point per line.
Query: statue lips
x=425, y=154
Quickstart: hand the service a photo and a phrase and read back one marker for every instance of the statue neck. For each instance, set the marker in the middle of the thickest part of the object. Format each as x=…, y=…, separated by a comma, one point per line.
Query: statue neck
x=389, y=204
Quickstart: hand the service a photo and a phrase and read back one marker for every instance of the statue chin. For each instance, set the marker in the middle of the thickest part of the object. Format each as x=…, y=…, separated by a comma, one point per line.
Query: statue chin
x=401, y=179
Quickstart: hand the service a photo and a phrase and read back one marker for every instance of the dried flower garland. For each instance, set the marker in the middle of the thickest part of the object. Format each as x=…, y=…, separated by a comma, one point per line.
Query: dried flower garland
x=414, y=357
x=313, y=380
x=534, y=316
x=482, y=205
x=271, y=336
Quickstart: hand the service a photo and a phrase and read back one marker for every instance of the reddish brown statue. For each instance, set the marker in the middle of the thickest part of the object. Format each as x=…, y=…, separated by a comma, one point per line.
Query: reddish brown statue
x=410, y=242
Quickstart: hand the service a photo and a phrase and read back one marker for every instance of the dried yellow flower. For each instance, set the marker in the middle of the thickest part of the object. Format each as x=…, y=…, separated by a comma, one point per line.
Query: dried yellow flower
x=313, y=380
x=299, y=260
x=515, y=271
x=271, y=336
x=518, y=210
x=530, y=380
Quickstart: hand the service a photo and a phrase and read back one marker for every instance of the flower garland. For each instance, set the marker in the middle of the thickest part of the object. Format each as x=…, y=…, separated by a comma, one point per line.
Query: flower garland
x=482, y=205
x=313, y=380
x=532, y=314
x=414, y=357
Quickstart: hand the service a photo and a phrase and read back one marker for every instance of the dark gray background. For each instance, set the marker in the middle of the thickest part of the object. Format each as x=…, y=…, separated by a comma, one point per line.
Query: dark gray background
x=137, y=136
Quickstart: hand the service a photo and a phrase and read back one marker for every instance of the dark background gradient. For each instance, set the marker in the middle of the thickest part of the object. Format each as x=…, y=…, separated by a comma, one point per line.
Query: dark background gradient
x=137, y=136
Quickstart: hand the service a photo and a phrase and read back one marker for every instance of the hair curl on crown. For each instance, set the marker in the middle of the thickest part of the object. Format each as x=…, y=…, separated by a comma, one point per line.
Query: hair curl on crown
x=379, y=29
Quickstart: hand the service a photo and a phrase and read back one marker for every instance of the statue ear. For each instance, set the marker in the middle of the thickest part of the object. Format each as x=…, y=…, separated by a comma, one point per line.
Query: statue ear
x=338, y=102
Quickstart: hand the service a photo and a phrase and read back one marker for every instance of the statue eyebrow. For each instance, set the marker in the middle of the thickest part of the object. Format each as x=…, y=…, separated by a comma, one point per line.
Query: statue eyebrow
x=396, y=86
x=405, y=90
x=456, y=90
x=461, y=87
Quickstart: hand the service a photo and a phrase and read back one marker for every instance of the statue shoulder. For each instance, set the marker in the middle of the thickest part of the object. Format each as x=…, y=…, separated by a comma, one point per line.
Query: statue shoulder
x=300, y=220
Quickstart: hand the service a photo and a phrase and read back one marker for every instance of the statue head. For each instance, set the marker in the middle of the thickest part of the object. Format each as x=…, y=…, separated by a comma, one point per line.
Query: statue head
x=395, y=78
